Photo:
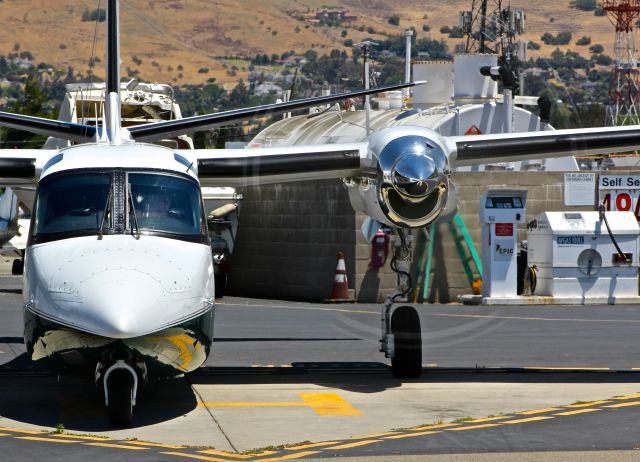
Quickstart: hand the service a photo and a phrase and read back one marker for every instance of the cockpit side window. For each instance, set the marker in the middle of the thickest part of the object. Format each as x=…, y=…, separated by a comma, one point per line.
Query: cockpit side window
x=72, y=203
x=164, y=204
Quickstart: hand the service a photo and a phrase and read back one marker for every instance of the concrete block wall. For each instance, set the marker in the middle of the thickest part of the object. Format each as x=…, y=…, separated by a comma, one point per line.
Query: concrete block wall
x=289, y=236
x=288, y=240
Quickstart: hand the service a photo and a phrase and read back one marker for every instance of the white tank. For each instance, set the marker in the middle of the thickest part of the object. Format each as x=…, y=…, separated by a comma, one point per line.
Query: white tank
x=471, y=87
x=395, y=99
x=439, y=87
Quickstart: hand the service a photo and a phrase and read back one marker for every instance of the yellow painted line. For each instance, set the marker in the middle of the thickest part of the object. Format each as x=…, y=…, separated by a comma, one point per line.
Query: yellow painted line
x=576, y=368
x=213, y=452
x=491, y=419
x=590, y=403
x=530, y=419
x=634, y=396
x=579, y=411
x=155, y=445
x=48, y=440
x=431, y=427
x=374, y=435
x=408, y=435
x=195, y=456
x=5, y=434
x=324, y=404
x=253, y=404
x=540, y=411
x=329, y=404
x=522, y=318
x=472, y=427
x=632, y=403
x=311, y=445
x=354, y=445
x=297, y=455
x=116, y=446
x=18, y=430
x=78, y=437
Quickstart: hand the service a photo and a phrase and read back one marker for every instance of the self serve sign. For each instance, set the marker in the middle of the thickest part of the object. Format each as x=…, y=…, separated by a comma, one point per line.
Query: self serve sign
x=620, y=193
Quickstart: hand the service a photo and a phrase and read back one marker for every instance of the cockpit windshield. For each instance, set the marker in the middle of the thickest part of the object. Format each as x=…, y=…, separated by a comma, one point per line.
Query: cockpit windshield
x=164, y=203
x=72, y=203
x=85, y=203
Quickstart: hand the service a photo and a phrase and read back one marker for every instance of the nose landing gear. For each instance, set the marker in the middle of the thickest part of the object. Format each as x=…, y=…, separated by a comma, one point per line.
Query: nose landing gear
x=120, y=382
x=401, y=333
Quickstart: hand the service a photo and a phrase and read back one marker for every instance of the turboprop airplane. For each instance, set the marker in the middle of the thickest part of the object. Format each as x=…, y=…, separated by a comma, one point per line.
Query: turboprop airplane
x=118, y=272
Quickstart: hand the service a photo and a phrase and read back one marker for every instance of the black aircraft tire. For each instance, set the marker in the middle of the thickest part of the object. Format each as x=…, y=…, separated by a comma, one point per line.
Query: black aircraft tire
x=17, y=267
x=407, y=359
x=120, y=391
x=221, y=281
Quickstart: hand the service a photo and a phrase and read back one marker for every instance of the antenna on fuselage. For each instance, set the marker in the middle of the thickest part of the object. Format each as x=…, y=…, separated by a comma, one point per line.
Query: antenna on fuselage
x=112, y=101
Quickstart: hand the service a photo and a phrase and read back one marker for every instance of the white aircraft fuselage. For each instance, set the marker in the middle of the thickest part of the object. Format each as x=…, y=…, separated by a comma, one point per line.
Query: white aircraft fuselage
x=118, y=264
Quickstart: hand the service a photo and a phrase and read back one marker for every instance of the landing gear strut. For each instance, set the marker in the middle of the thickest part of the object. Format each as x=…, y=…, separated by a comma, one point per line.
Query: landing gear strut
x=120, y=382
x=401, y=333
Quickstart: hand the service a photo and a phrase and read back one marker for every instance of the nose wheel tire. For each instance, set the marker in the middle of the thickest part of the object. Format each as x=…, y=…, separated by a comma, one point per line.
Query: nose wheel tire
x=407, y=358
x=120, y=394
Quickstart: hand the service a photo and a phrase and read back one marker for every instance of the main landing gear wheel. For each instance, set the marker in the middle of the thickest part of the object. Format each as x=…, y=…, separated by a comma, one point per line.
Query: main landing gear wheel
x=17, y=267
x=120, y=393
x=406, y=362
x=221, y=281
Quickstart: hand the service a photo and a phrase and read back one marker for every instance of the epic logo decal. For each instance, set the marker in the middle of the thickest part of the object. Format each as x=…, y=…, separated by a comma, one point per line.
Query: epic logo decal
x=501, y=250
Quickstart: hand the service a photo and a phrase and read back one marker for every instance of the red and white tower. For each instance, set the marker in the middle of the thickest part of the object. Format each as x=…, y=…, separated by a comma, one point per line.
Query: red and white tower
x=624, y=93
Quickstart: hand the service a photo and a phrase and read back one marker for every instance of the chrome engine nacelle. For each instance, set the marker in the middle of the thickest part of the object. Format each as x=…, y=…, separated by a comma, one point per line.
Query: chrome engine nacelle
x=408, y=184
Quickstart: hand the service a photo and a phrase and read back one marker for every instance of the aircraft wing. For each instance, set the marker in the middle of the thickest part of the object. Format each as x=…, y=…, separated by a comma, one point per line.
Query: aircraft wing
x=19, y=166
x=245, y=167
x=170, y=128
x=512, y=147
x=42, y=126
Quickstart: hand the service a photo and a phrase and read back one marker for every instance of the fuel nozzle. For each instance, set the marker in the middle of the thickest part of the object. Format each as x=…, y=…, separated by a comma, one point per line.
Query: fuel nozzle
x=601, y=211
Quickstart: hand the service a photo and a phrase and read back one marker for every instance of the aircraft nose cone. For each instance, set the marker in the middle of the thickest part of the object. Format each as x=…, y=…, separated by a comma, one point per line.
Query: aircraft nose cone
x=414, y=175
x=124, y=305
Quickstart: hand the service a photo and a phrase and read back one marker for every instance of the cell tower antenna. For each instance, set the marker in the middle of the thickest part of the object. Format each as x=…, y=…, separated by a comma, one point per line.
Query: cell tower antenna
x=624, y=94
x=492, y=26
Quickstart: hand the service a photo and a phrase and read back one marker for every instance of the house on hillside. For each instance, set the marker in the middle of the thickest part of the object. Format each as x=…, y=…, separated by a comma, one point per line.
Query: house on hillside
x=331, y=14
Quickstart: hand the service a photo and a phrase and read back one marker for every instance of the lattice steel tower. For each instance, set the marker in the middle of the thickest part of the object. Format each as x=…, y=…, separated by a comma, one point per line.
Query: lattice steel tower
x=490, y=27
x=624, y=94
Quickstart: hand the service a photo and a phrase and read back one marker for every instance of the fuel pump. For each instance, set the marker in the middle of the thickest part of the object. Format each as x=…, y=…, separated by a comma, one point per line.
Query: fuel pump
x=501, y=210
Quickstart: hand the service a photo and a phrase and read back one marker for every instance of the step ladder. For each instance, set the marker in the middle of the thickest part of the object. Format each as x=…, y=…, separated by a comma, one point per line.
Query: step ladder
x=466, y=249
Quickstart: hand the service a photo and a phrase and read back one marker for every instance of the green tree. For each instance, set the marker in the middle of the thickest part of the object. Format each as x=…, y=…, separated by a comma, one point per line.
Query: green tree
x=31, y=104
x=394, y=20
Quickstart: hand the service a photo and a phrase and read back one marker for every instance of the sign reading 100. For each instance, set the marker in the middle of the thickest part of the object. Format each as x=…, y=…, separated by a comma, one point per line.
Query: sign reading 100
x=620, y=193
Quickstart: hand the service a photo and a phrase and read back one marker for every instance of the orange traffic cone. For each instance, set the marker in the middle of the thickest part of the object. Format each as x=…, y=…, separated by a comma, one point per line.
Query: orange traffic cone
x=340, y=290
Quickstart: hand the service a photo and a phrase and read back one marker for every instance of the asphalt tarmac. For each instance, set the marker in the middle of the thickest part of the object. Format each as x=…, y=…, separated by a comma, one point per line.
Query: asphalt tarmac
x=306, y=381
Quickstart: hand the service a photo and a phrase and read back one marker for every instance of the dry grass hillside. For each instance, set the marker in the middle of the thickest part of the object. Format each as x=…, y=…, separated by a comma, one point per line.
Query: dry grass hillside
x=177, y=40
